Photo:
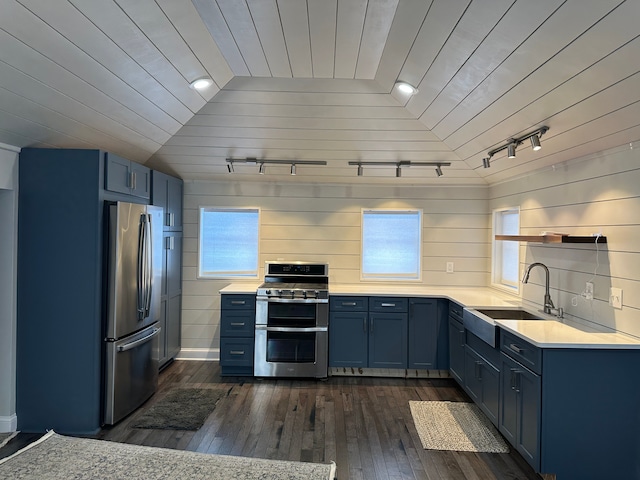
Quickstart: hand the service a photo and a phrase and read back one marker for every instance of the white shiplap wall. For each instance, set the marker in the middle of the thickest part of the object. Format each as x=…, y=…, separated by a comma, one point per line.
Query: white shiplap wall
x=322, y=223
x=598, y=193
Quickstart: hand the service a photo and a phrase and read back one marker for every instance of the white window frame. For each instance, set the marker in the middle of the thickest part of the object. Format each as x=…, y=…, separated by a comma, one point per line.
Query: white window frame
x=244, y=274
x=498, y=251
x=395, y=276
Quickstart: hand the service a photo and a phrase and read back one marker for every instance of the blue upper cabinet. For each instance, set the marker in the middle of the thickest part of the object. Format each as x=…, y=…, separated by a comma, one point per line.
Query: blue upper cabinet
x=125, y=176
x=166, y=192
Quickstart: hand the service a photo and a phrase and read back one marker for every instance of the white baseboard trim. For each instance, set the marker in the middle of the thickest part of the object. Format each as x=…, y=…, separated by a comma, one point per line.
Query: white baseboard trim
x=8, y=423
x=206, y=354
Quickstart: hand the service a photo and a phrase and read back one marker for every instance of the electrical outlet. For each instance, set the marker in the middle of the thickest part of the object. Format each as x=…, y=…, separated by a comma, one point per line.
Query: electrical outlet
x=449, y=267
x=615, y=297
x=588, y=291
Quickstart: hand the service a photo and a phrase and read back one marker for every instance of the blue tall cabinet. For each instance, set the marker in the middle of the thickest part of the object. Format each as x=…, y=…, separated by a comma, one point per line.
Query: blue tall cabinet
x=60, y=283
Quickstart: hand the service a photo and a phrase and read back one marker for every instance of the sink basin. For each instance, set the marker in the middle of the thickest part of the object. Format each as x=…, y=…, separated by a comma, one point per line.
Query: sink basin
x=481, y=321
x=508, y=314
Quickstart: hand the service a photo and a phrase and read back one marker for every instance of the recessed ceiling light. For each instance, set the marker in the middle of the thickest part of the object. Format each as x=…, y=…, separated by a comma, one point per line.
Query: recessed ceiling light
x=407, y=88
x=201, y=83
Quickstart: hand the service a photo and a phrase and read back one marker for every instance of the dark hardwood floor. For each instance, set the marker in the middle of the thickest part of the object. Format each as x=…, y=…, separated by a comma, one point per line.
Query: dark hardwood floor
x=363, y=424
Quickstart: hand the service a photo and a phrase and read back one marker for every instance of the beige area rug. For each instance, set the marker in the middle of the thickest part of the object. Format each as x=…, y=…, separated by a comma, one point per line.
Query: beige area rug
x=456, y=426
x=180, y=409
x=58, y=457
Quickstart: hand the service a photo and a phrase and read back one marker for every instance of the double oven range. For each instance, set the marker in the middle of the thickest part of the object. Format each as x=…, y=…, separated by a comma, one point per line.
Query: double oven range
x=292, y=320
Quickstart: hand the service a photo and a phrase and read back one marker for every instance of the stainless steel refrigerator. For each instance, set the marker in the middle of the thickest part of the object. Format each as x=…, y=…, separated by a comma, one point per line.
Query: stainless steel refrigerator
x=134, y=284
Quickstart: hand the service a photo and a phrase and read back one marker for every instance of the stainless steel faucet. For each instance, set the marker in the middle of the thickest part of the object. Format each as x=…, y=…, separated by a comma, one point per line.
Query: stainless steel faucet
x=548, y=304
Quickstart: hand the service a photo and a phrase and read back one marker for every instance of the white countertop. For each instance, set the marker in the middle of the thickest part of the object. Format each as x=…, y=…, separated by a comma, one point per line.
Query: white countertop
x=542, y=333
x=556, y=334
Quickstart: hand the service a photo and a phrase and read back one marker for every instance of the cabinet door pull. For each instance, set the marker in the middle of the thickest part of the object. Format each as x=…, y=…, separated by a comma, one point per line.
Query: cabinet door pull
x=364, y=324
x=479, y=370
x=387, y=304
x=133, y=180
x=371, y=325
x=516, y=348
x=238, y=302
x=237, y=324
x=512, y=379
x=236, y=352
x=348, y=304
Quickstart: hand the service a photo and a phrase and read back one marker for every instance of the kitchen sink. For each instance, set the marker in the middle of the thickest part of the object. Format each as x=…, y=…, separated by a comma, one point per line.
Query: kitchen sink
x=481, y=321
x=509, y=314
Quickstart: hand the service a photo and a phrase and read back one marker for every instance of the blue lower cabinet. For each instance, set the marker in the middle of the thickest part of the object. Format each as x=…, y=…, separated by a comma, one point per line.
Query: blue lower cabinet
x=368, y=332
x=237, y=328
x=520, y=409
x=348, y=339
x=388, y=340
x=428, y=342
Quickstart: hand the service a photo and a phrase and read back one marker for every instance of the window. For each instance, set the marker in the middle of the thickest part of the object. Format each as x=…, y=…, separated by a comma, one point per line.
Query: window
x=506, y=254
x=391, y=244
x=228, y=242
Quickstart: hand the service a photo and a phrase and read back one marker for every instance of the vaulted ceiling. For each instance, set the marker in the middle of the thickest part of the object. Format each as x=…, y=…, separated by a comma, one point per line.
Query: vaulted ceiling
x=315, y=80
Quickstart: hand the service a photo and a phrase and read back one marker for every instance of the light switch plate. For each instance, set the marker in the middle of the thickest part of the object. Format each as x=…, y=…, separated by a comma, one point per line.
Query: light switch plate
x=449, y=267
x=615, y=297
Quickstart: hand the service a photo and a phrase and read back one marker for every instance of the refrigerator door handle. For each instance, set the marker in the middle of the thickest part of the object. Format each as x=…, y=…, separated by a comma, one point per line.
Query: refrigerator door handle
x=140, y=341
x=149, y=267
x=142, y=261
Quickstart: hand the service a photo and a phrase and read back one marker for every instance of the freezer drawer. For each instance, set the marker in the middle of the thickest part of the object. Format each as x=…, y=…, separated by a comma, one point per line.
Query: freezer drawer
x=131, y=373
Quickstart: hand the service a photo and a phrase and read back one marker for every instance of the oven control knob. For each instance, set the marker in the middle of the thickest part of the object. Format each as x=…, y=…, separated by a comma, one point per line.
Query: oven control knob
x=267, y=292
x=304, y=294
x=279, y=292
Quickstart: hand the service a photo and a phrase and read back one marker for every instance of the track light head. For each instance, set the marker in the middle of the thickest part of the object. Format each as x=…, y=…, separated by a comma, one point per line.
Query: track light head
x=511, y=150
x=486, y=162
x=293, y=169
x=438, y=171
x=230, y=167
x=360, y=169
x=398, y=170
x=261, y=168
x=535, y=142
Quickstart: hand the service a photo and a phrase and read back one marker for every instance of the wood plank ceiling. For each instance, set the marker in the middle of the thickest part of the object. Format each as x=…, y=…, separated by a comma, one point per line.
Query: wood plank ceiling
x=314, y=80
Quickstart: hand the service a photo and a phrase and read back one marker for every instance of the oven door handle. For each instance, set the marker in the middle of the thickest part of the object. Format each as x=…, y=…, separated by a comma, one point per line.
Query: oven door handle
x=292, y=300
x=292, y=329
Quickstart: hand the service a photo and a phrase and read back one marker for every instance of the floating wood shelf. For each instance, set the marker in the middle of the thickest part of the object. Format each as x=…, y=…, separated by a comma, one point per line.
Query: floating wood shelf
x=552, y=238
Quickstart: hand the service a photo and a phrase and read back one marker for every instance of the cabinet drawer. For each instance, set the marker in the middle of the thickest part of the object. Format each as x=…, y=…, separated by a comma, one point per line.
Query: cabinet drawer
x=349, y=304
x=388, y=304
x=522, y=351
x=455, y=311
x=239, y=323
x=238, y=302
x=236, y=352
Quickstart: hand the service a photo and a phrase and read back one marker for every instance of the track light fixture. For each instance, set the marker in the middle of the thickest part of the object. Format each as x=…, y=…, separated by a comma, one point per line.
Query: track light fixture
x=511, y=145
x=399, y=165
x=263, y=162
